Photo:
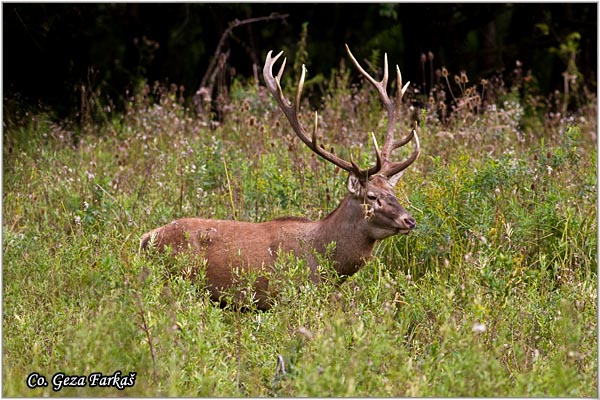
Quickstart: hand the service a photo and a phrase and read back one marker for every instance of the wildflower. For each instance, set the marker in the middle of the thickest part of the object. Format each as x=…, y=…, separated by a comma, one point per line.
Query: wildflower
x=575, y=354
x=536, y=355
x=444, y=72
x=479, y=328
x=302, y=331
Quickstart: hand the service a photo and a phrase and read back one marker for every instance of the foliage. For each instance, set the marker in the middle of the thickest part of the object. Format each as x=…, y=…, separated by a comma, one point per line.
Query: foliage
x=494, y=294
x=120, y=44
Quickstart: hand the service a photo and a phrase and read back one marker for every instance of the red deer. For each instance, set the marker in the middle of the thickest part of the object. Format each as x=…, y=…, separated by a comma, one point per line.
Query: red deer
x=369, y=212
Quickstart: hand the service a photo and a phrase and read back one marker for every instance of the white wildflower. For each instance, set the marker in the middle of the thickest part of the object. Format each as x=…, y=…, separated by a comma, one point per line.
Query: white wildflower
x=479, y=328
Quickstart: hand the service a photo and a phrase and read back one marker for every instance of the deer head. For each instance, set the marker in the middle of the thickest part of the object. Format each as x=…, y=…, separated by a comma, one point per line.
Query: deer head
x=372, y=188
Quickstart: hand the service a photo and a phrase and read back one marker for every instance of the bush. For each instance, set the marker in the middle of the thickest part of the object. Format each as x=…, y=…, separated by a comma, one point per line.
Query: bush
x=493, y=294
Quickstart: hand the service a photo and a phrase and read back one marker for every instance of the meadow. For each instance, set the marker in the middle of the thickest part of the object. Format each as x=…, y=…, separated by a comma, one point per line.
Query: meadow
x=493, y=294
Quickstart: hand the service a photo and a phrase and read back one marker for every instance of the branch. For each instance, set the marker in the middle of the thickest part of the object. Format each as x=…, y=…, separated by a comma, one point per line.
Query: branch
x=234, y=24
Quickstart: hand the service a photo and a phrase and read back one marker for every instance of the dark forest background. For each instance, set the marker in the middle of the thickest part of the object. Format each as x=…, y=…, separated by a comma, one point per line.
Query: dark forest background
x=52, y=51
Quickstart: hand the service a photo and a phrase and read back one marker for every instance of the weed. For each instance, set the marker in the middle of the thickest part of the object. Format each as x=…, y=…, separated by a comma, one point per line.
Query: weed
x=494, y=293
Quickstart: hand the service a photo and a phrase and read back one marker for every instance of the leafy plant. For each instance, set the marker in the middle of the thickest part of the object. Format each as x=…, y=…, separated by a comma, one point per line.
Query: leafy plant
x=494, y=293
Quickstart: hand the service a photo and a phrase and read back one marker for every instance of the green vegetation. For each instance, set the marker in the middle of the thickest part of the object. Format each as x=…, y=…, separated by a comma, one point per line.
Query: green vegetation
x=494, y=293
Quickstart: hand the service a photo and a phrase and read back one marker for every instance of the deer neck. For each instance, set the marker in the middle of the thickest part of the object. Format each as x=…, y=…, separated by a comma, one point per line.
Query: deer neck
x=348, y=229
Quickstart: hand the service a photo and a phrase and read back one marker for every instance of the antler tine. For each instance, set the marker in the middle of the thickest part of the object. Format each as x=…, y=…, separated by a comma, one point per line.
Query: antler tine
x=360, y=69
x=273, y=83
x=401, y=89
x=291, y=112
x=392, y=168
x=376, y=168
x=299, y=92
x=381, y=85
x=384, y=80
x=388, y=167
x=400, y=93
x=377, y=154
x=280, y=73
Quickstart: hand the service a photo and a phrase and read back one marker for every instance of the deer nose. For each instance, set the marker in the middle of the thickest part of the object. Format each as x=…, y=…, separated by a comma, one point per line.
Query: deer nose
x=409, y=222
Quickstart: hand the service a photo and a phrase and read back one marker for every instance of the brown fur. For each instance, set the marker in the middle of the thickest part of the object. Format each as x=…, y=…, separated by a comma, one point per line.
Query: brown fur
x=227, y=245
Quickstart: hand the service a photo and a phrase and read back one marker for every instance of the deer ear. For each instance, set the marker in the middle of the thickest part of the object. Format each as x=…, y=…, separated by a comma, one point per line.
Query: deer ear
x=394, y=179
x=354, y=184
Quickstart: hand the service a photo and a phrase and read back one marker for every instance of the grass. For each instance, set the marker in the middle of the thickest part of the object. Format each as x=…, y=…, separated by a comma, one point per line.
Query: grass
x=494, y=294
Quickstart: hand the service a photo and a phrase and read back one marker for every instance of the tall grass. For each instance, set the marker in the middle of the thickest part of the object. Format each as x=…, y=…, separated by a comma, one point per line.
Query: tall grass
x=494, y=293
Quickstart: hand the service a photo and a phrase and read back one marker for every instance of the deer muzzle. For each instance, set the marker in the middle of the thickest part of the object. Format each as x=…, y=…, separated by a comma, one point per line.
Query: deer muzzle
x=398, y=218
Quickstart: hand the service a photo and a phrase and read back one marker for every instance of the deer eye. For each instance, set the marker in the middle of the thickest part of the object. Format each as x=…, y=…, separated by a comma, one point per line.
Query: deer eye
x=371, y=196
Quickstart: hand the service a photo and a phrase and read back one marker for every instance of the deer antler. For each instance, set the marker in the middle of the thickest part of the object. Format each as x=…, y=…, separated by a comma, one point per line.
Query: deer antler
x=291, y=112
x=384, y=165
x=390, y=168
